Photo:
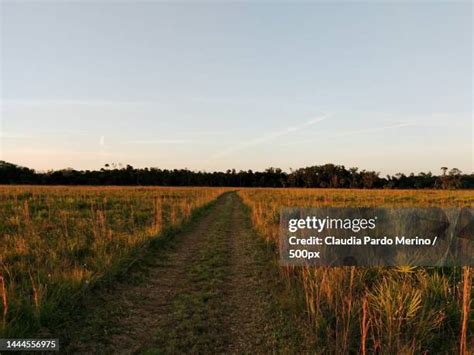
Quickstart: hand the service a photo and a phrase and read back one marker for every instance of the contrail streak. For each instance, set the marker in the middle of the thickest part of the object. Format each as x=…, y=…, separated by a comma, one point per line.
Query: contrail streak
x=268, y=137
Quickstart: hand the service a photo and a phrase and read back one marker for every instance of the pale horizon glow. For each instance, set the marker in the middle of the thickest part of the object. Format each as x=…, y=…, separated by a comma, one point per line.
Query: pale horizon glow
x=244, y=85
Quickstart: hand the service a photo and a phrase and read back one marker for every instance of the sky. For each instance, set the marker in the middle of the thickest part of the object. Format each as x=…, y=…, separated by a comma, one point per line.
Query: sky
x=245, y=85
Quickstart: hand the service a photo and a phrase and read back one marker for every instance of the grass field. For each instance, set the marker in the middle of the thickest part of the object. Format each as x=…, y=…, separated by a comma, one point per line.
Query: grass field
x=58, y=243
x=388, y=310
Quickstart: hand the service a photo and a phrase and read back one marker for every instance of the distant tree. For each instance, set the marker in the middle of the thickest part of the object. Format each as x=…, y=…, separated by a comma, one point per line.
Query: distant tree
x=443, y=180
x=369, y=179
x=455, y=178
x=354, y=177
x=322, y=176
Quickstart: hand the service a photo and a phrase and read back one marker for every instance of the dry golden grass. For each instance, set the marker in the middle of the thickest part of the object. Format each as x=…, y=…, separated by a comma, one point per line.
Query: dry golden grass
x=59, y=241
x=376, y=310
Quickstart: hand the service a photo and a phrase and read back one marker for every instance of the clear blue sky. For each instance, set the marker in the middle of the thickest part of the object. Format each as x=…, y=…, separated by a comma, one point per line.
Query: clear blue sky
x=381, y=86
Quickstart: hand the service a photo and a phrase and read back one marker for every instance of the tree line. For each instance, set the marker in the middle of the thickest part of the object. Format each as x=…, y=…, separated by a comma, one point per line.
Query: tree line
x=321, y=176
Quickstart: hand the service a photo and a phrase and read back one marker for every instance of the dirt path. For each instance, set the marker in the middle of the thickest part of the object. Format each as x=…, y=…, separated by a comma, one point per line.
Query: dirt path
x=250, y=329
x=212, y=292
